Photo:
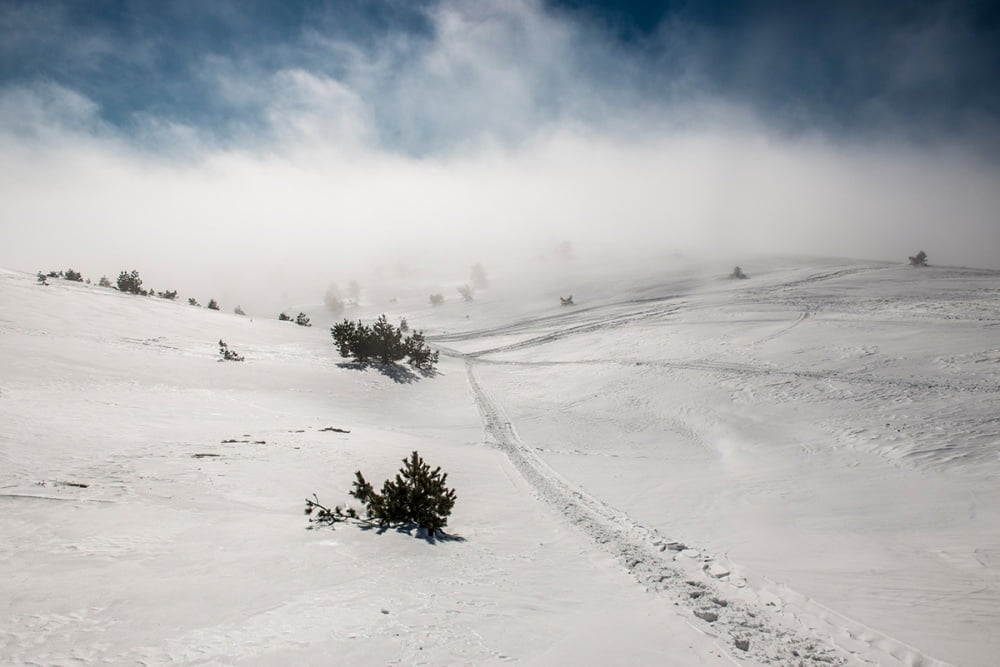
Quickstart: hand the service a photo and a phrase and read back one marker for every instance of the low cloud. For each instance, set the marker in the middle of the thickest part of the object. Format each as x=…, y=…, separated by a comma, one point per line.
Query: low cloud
x=491, y=138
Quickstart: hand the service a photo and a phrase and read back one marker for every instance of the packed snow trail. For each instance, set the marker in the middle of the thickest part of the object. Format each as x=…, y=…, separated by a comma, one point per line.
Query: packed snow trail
x=798, y=632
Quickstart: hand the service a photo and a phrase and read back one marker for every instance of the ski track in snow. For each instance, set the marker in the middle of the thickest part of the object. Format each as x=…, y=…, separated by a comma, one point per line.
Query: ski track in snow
x=798, y=631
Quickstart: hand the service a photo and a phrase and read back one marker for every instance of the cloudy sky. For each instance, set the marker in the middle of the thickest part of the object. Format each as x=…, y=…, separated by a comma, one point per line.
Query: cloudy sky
x=298, y=140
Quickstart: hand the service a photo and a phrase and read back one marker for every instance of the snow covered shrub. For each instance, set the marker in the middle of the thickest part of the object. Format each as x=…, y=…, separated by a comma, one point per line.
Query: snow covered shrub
x=193, y=302
x=381, y=342
x=302, y=320
x=227, y=354
x=238, y=311
x=418, y=495
x=738, y=274
x=437, y=299
x=130, y=282
x=920, y=259
x=213, y=304
x=104, y=282
x=465, y=291
x=284, y=318
x=168, y=294
x=73, y=275
x=42, y=279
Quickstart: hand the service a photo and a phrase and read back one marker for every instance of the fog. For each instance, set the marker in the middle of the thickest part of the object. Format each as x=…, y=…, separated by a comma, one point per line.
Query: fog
x=493, y=138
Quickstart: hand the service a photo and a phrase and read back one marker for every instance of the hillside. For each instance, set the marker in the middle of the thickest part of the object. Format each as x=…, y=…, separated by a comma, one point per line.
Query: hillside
x=805, y=461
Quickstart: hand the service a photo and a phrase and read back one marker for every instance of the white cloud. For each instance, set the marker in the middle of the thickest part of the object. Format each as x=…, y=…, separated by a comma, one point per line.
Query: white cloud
x=319, y=194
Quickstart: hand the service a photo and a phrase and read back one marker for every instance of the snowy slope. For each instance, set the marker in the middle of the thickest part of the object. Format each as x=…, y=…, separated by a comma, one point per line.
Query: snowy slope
x=805, y=460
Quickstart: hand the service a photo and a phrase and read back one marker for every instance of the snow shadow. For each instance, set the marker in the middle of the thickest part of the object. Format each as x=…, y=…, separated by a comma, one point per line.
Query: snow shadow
x=413, y=530
x=395, y=372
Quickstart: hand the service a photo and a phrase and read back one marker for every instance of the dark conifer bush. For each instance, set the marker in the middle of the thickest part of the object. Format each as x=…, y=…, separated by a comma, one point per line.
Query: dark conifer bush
x=130, y=282
x=168, y=294
x=381, y=342
x=403, y=325
x=42, y=279
x=227, y=354
x=302, y=320
x=418, y=495
x=104, y=282
x=193, y=302
x=920, y=259
x=284, y=318
x=213, y=304
x=75, y=276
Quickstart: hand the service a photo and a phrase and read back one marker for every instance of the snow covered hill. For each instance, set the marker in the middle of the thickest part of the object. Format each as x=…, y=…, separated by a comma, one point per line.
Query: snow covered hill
x=679, y=469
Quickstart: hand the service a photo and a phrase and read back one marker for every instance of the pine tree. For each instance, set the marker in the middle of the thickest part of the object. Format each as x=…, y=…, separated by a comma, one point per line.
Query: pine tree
x=213, y=304
x=417, y=495
x=130, y=282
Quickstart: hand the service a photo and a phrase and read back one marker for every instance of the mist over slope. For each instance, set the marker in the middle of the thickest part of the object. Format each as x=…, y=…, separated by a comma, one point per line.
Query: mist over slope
x=815, y=446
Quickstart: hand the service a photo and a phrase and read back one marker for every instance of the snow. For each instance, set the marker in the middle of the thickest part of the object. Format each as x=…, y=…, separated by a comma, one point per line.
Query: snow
x=805, y=460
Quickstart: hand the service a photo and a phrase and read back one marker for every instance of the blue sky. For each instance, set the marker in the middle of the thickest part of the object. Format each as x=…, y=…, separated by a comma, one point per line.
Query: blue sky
x=825, y=127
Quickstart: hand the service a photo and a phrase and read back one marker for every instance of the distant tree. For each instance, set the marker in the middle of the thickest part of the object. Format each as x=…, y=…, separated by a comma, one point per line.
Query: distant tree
x=238, y=311
x=332, y=300
x=75, y=276
x=403, y=326
x=169, y=294
x=88, y=281
x=381, y=342
x=465, y=291
x=738, y=274
x=193, y=302
x=130, y=282
x=227, y=354
x=42, y=279
x=55, y=274
x=478, y=276
x=437, y=299
x=213, y=304
x=354, y=291
x=302, y=320
x=920, y=259
x=104, y=282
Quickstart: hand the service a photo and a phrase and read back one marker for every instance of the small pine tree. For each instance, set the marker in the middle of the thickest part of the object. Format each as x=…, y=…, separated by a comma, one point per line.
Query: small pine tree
x=284, y=318
x=227, y=354
x=213, y=304
x=420, y=356
x=738, y=274
x=169, y=294
x=104, y=282
x=193, y=302
x=75, y=276
x=418, y=495
x=403, y=325
x=130, y=282
x=239, y=311
x=302, y=320
x=920, y=259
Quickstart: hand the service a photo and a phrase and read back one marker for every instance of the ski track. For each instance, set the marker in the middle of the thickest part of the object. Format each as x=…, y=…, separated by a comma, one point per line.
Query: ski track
x=798, y=631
